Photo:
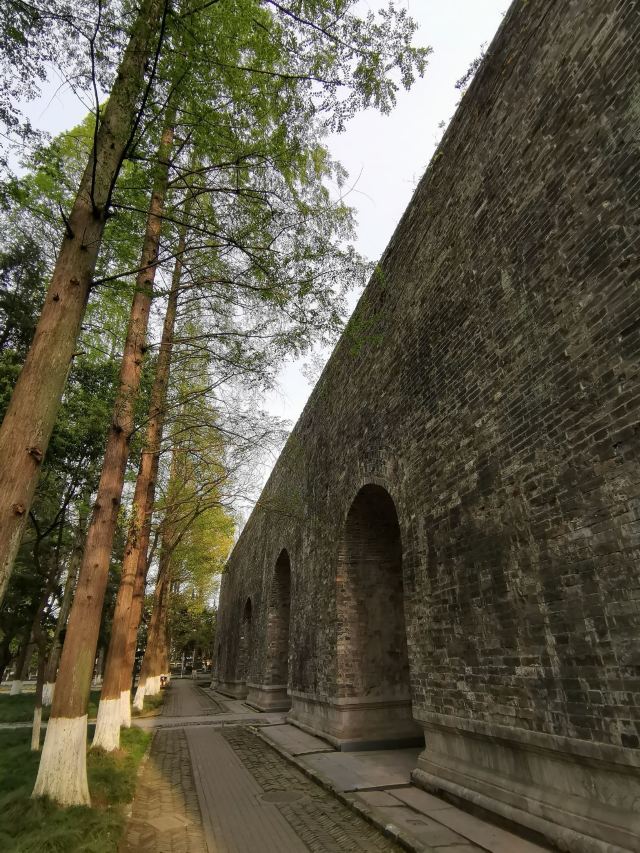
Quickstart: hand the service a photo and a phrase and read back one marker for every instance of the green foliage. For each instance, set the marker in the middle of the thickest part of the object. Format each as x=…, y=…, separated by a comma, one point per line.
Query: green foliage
x=41, y=40
x=39, y=826
x=200, y=537
x=34, y=211
x=202, y=551
x=71, y=468
x=21, y=295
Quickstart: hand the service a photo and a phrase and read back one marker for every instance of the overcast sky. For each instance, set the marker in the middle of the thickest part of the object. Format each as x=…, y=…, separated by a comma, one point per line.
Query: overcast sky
x=387, y=155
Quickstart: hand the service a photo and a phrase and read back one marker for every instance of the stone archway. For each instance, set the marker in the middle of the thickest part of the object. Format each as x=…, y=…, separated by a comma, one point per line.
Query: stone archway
x=372, y=643
x=244, y=645
x=234, y=684
x=271, y=693
x=371, y=705
x=373, y=701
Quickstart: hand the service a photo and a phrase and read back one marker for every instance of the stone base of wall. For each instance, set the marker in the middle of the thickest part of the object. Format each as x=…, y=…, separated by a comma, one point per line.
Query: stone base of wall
x=581, y=796
x=268, y=697
x=356, y=723
x=233, y=689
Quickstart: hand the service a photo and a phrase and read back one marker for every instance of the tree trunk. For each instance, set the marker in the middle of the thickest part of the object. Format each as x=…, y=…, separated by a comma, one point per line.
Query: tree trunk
x=137, y=606
x=26, y=650
x=144, y=559
x=32, y=410
x=69, y=710
x=5, y=655
x=158, y=637
x=37, y=710
x=164, y=660
x=65, y=607
x=146, y=685
x=116, y=688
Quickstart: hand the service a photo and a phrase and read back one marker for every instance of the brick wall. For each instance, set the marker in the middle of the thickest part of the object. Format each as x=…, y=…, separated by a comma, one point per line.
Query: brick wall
x=489, y=381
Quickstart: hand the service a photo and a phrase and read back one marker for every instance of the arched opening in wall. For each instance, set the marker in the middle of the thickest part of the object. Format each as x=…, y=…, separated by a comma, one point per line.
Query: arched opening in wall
x=373, y=689
x=278, y=624
x=244, y=650
x=271, y=693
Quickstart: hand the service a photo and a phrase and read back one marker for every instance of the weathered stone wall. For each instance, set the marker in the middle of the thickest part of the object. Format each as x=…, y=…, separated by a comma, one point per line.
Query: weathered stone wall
x=489, y=381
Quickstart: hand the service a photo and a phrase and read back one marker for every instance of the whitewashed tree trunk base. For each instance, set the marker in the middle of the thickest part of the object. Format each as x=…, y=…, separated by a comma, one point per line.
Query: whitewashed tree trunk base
x=152, y=687
x=125, y=709
x=107, y=734
x=35, y=731
x=62, y=775
x=138, y=702
x=16, y=687
x=47, y=693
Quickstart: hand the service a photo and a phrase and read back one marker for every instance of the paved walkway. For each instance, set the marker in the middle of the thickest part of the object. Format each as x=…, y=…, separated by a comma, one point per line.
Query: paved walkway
x=216, y=782
x=189, y=703
x=188, y=699
x=218, y=788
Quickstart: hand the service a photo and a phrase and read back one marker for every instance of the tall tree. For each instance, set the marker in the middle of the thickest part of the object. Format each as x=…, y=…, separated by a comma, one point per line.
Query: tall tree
x=66, y=732
x=150, y=670
x=51, y=667
x=115, y=695
x=31, y=414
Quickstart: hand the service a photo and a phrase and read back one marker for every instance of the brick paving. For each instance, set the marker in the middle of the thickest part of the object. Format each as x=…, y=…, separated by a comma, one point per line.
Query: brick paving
x=223, y=790
x=166, y=815
x=323, y=823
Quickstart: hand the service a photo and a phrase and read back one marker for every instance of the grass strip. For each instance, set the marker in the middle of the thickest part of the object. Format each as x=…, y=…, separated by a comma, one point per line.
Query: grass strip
x=19, y=709
x=152, y=706
x=40, y=826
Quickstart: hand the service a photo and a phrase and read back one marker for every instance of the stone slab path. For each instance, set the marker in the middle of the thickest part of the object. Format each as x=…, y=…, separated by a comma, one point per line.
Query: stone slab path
x=355, y=771
x=234, y=816
x=186, y=704
x=379, y=783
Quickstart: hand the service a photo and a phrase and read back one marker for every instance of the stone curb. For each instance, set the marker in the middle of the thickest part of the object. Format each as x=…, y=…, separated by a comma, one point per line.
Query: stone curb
x=390, y=830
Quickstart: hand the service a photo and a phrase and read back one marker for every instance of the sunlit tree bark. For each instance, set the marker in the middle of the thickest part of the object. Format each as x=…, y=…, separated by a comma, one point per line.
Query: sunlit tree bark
x=61, y=777
x=117, y=680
